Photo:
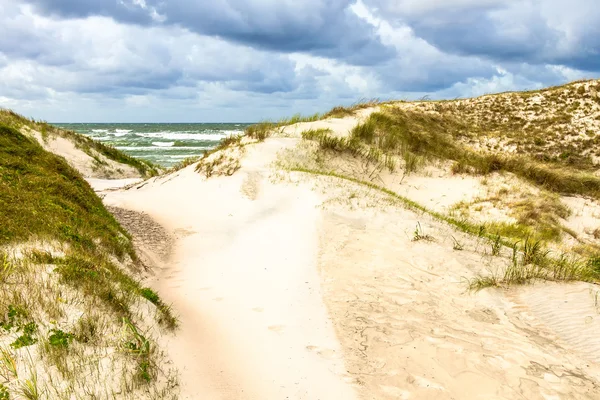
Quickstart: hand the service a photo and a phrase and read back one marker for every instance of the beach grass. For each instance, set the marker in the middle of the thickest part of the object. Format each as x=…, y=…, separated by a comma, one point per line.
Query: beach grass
x=89, y=146
x=62, y=252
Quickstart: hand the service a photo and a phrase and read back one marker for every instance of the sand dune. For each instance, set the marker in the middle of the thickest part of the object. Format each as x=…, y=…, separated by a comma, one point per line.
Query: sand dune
x=296, y=286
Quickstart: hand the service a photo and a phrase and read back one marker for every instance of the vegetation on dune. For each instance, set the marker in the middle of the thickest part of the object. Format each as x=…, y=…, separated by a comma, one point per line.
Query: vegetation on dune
x=556, y=125
x=64, y=289
x=529, y=259
x=430, y=136
x=460, y=133
x=43, y=197
x=82, y=142
x=264, y=129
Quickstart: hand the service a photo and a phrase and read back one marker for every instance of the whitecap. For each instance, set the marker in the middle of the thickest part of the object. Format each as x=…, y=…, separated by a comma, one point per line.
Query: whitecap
x=163, y=144
x=100, y=130
x=121, y=132
x=154, y=148
x=215, y=137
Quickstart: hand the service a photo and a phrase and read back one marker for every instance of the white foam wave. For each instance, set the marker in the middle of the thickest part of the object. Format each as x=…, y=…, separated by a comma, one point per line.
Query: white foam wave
x=154, y=148
x=180, y=156
x=163, y=144
x=100, y=130
x=121, y=132
x=208, y=137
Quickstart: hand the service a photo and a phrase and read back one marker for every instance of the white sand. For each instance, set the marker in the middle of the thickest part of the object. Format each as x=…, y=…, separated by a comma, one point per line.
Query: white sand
x=301, y=287
x=244, y=280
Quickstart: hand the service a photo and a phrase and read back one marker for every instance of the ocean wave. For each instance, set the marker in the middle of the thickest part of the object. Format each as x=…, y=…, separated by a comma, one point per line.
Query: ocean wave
x=122, y=132
x=180, y=156
x=100, y=130
x=163, y=144
x=209, y=137
x=154, y=148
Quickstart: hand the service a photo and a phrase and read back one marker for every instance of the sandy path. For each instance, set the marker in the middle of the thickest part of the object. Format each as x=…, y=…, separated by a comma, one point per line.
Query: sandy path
x=244, y=279
x=268, y=276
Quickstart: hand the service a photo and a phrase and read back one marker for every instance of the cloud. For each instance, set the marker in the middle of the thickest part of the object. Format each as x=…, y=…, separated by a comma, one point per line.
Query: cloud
x=322, y=28
x=157, y=60
x=99, y=55
x=532, y=31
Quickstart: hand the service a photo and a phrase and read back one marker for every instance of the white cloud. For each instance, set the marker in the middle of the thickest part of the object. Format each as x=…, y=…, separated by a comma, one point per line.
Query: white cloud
x=139, y=60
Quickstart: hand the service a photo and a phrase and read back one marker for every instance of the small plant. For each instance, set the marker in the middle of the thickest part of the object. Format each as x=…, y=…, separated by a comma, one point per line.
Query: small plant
x=8, y=365
x=150, y=295
x=14, y=317
x=482, y=231
x=140, y=346
x=59, y=338
x=4, y=395
x=6, y=268
x=420, y=235
x=496, y=245
x=533, y=252
x=26, y=339
x=482, y=282
x=144, y=371
x=457, y=245
x=29, y=388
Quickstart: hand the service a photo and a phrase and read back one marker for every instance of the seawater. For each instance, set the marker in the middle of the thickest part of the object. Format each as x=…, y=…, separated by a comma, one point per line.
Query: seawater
x=163, y=144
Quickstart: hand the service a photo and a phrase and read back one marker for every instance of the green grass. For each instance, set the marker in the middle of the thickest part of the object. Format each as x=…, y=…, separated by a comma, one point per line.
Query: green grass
x=76, y=255
x=42, y=197
x=531, y=261
x=89, y=146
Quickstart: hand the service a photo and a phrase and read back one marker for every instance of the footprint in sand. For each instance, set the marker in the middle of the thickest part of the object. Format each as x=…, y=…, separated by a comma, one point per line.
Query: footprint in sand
x=325, y=353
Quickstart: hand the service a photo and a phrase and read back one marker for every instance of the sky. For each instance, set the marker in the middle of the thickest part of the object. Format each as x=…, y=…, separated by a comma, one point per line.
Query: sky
x=249, y=60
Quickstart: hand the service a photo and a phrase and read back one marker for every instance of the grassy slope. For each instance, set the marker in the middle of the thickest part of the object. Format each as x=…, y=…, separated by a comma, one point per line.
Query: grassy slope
x=544, y=137
x=555, y=125
x=74, y=247
x=86, y=144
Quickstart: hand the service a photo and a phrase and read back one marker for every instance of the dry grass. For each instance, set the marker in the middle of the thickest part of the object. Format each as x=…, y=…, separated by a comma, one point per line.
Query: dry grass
x=556, y=125
x=430, y=136
x=223, y=159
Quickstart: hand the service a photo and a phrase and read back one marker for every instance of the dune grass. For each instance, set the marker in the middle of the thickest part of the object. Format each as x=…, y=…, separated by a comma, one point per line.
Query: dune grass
x=432, y=136
x=264, y=129
x=530, y=258
x=60, y=251
x=89, y=146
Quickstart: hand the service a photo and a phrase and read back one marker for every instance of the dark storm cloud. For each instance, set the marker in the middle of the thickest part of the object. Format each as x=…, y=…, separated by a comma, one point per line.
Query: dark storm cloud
x=319, y=27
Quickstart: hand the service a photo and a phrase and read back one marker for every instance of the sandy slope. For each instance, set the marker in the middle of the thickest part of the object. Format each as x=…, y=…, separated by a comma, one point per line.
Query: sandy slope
x=302, y=287
x=244, y=279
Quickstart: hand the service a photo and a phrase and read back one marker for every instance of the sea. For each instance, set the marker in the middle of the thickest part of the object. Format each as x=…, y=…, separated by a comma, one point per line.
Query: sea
x=162, y=144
